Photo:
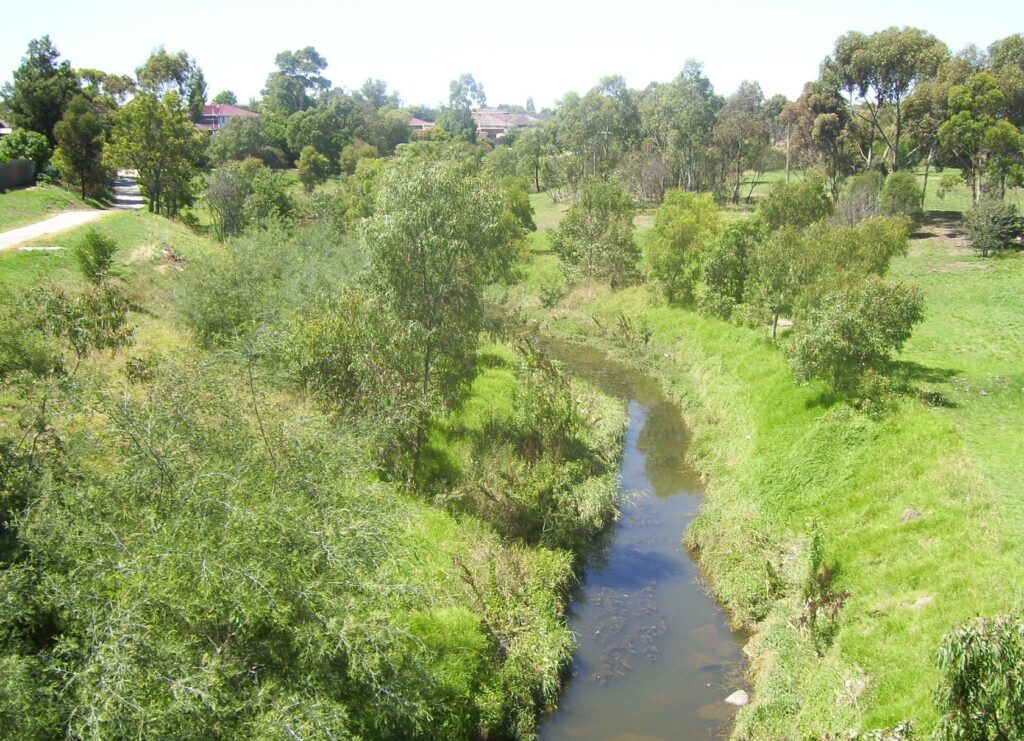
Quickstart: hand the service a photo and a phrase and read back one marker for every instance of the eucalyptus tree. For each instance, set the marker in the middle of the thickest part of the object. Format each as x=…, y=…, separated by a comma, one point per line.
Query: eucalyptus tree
x=878, y=72
x=297, y=82
x=742, y=132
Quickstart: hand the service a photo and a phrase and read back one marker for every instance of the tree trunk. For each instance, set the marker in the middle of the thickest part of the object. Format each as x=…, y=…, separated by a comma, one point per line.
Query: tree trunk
x=789, y=131
x=775, y=323
x=927, y=167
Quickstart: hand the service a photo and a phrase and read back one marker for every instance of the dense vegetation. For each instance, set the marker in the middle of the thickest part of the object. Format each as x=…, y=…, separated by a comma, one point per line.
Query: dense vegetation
x=300, y=481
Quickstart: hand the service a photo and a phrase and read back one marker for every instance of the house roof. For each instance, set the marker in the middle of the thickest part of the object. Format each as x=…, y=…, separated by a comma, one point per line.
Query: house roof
x=413, y=121
x=494, y=118
x=224, y=109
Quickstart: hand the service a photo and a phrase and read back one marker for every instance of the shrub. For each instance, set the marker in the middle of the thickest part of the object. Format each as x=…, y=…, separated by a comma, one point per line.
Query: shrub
x=22, y=144
x=726, y=267
x=859, y=200
x=353, y=153
x=980, y=694
x=901, y=195
x=685, y=225
x=848, y=342
x=313, y=167
x=595, y=238
x=993, y=226
x=95, y=255
x=798, y=204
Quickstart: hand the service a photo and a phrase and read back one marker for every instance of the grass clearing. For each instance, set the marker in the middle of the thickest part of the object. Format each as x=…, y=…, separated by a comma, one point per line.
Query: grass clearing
x=29, y=205
x=920, y=510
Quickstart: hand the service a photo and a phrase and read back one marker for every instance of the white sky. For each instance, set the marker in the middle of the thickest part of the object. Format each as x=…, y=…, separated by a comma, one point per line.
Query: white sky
x=515, y=48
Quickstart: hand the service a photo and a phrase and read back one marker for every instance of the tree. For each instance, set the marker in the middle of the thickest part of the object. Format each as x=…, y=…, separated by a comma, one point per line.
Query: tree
x=297, y=82
x=773, y=282
x=878, y=73
x=42, y=89
x=980, y=693
x=437, y=237
x=313, y=168
x=225, y=97
x=797, y=204
x=22, y=144
x=685, y=226
x=742, y=133
x=163, y=73
x=155, y=137
x=81, y=137
x=595, y=237
x=849, y=341
x=978, y=138
x=375, y=92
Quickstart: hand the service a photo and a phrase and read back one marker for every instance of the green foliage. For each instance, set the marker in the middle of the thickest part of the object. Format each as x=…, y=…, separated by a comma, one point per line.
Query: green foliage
x=313, y=168
x=726, y=266
x=155, y=137
x=262, y=276
x=350, y=155
x=860, y=198
x=981, y=694
x=797, y=204
x=848, y=342
x=437, y=236
x=250, y=136
x=239, y=195
x=24, y=343
x=95, y=255
x=595, y=237
x=23, y=144
x=901, y=196
x=992, y=226
x=81, y=137
x=517, y=197
x=95, y=318
x=685, y=226
x=41, y=90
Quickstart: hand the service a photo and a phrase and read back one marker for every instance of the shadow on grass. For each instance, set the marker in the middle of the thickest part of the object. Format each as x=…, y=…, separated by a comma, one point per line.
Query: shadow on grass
x=908, y=376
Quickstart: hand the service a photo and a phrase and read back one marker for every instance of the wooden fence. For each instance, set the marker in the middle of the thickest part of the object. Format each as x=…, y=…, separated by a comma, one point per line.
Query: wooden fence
x=16, y=174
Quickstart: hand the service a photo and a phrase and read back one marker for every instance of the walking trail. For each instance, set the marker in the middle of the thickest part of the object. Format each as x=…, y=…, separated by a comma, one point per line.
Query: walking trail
x=126, y=197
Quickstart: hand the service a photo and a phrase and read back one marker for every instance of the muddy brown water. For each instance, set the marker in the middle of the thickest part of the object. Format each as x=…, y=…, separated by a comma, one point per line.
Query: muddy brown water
x=655, y=657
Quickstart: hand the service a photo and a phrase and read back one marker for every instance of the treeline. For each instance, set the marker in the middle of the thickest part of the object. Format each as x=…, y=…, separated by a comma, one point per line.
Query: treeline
x=887, y=101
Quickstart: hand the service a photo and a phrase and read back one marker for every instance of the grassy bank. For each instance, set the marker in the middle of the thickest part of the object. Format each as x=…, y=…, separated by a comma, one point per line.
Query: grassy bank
x=918, y=511
x=28, y=205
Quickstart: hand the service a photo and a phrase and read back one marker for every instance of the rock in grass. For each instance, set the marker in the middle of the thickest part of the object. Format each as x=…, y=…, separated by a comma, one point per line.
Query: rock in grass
x=910, y=515
x=738, y=698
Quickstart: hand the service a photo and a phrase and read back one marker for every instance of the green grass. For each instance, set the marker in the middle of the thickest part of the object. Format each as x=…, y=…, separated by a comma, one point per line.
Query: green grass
x=29, y=205
x=779, y=456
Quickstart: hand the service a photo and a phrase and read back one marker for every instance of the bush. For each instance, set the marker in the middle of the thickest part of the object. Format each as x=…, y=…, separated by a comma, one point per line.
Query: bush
x=313, y=168
x=980, y=694
x=859, y=200
x=848, y=342
x=901, y=196
x=22, y=144
x=992, y=226
x=685, y=225
x=726, y=267
x=95, y=255
x=352, y=153
x=798, y=204
x=595, y=238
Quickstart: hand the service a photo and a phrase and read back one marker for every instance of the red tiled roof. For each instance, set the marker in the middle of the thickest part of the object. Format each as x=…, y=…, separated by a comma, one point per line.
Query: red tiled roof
x=224, y=109
x=413, y=121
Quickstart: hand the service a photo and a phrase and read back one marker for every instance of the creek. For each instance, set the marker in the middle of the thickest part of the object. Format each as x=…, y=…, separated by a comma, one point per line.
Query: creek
x=656, y=657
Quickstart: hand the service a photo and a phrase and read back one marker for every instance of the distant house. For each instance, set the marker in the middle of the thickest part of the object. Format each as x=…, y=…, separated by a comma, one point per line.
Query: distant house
x=5, y=128
x=216, y=117
x=495, y=123
x=418, y=124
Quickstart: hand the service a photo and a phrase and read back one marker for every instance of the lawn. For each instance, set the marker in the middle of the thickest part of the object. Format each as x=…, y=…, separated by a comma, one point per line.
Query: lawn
x=28, y=205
